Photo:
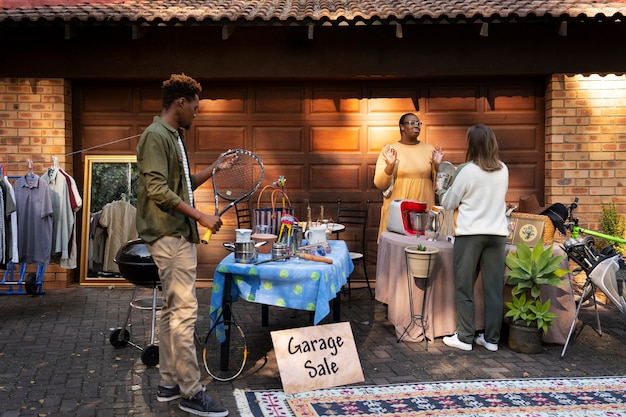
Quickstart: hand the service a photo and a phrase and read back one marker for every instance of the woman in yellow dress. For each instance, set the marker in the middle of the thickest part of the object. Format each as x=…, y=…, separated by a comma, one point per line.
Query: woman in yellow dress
x=412, y=163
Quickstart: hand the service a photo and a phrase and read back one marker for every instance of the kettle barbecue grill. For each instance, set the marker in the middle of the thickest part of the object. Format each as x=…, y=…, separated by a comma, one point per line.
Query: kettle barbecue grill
x=136, y=266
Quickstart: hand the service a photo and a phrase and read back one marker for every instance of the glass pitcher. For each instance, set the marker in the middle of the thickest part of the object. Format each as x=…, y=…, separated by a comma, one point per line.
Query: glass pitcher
x=434, y=223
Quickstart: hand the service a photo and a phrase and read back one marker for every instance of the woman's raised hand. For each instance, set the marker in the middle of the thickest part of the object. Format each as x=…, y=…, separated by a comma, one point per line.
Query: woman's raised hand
x=437, y=155
x=390, y=154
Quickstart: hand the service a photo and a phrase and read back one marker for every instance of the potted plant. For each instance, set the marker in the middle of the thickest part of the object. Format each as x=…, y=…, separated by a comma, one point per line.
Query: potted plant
x=530, y=317
x=421, y=260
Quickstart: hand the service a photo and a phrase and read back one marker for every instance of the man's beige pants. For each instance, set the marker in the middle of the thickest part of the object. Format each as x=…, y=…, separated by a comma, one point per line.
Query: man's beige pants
x=176, y=260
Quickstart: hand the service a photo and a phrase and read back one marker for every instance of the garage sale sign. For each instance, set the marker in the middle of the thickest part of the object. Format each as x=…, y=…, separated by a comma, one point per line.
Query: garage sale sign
x=317, y=357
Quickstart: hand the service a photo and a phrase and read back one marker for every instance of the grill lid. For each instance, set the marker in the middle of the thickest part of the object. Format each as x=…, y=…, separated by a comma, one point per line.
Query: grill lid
x=136, y=264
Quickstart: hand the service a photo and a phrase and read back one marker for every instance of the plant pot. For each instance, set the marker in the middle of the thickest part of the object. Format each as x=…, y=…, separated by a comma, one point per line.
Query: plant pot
x=524, y=339
x=421, y=262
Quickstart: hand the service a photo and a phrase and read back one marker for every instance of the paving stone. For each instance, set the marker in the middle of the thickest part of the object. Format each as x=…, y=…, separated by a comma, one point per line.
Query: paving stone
x=56, y=358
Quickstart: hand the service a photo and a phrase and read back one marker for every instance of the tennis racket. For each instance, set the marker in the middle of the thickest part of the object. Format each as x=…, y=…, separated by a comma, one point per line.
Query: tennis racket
x=237, y=174
x=225, y=350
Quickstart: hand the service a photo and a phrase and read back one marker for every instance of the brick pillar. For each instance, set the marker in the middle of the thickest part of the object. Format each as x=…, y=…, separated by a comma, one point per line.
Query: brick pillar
x=586, y=143
x=586, y=146
x=36, y=124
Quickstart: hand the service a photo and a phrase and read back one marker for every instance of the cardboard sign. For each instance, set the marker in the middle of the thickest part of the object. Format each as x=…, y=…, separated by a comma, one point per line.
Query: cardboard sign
x=316, y=357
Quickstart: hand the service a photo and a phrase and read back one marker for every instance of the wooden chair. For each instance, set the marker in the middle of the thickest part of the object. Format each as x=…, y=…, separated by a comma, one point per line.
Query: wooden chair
x=244, y=214
x=355, y=219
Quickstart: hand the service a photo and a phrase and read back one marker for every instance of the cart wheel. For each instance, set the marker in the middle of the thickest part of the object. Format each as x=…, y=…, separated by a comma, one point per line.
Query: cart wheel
x=119, y=338
x=150, y=355
x=31, y=283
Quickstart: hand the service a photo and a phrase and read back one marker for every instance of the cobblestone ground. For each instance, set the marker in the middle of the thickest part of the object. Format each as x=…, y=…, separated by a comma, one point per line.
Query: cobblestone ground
x=56, y=359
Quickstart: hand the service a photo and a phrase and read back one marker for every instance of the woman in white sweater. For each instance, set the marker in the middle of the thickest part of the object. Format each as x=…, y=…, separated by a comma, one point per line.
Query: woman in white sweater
x=478, y=193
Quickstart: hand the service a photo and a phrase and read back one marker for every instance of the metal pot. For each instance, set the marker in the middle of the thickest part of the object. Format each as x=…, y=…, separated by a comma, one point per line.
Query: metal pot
x=136, y=264
x=280, y=250
x=245, y=252
x=419, y=220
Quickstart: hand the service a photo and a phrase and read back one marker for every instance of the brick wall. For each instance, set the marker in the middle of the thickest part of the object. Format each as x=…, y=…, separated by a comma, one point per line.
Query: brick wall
x=586, y=143
x=36, y=124
x=585, y=140
x=586, y=146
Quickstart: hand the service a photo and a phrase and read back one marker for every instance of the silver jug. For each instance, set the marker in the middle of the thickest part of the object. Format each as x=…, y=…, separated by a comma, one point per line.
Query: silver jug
x=296, y=237
x=434, y=223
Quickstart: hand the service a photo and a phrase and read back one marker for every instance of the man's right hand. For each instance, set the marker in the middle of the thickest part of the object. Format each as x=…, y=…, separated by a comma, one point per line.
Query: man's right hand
x=210, y=222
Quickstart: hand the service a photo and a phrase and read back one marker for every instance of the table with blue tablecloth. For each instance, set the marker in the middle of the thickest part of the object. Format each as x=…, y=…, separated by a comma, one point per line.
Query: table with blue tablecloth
x=295, y=283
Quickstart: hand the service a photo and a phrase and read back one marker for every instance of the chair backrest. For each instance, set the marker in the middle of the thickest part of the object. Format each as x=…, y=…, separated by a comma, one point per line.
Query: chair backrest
x=244, y=214
x=355, y=217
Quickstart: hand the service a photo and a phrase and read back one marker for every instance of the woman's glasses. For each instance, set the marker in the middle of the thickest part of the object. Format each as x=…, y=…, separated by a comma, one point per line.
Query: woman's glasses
x=413, y=123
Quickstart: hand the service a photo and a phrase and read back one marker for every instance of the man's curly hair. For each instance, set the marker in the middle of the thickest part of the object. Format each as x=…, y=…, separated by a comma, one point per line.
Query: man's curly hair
x=179, y=85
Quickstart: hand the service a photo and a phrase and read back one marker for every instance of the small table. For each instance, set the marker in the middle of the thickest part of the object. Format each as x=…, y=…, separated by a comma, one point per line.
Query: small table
x=412, y=279
x=440, y=314
x=296, y=283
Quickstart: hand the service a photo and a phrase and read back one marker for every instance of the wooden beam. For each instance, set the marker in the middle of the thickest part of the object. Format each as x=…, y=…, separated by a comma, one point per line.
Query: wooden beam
x=70, y=32
x=138, y=32
x=227, y=31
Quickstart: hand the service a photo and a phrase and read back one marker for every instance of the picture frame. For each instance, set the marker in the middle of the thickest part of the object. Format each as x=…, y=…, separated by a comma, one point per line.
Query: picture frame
x=528, y=230
x=512, y=224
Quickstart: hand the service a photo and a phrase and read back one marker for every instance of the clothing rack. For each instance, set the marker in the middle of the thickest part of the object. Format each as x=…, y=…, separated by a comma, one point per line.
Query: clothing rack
x=26, y=283
x=22, y=286
x=31, y=283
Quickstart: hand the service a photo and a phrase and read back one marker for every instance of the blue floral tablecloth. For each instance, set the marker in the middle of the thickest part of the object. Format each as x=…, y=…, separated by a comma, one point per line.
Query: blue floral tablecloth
x=295, y=283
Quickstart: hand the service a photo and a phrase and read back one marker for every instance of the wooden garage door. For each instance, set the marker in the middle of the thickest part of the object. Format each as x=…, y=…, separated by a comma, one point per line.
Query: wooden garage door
x=323, y=137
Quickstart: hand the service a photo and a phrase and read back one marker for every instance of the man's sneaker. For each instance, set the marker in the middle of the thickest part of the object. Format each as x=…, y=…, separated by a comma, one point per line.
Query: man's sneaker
x=453, y=341
x=165, y=394
x=202, y=404
x=480, y=340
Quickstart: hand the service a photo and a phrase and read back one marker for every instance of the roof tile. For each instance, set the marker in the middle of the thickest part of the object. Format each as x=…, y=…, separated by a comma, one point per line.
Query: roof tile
x=286, y=11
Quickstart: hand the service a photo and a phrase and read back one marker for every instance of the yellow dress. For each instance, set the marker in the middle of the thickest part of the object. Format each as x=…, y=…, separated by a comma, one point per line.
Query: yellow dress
x=414, y=178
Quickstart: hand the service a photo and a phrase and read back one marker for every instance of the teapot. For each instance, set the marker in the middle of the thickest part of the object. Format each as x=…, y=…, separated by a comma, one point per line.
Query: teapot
x=434, y=223
x=315, y=235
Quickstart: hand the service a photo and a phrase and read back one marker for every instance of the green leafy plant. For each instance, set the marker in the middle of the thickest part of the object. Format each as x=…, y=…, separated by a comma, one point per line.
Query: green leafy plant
x=110, y=180
x=421, y=247
x=612, y=223
x=528, y=270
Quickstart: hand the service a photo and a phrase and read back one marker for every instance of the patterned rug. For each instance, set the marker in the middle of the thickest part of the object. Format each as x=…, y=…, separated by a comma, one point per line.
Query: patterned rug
x=493, y=398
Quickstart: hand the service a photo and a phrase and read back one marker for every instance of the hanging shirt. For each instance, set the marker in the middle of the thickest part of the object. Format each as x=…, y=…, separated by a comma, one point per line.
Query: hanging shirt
x=97, y=238
x=76, y=202
x=34, y=226
x=11, y=229
x=119, y=219
x=75, y=199
x=63, y=215
x=2, y=228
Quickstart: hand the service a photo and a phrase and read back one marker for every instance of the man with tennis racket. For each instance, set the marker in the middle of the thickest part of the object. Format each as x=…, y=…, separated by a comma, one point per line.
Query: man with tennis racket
x=167, y=222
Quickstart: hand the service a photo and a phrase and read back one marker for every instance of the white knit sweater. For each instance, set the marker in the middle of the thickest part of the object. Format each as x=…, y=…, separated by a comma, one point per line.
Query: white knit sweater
x=480, y=198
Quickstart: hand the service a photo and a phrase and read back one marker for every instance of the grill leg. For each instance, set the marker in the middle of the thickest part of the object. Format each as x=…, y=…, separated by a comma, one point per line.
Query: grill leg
x=154, y=309
x=130, y=309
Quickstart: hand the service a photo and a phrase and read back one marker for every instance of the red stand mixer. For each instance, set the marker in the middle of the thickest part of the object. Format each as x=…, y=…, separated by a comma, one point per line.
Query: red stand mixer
x=407, y=217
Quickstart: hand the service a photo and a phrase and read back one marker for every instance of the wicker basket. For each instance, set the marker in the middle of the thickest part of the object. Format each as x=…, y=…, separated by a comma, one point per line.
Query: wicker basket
x=548, y=226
